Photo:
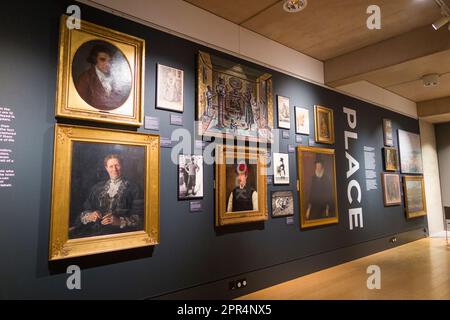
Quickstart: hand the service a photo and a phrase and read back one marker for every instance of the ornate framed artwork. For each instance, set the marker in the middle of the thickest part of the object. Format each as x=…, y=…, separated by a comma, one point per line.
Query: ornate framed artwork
x=302, y=121
x=282, y=204
x=100, y=75
x=410, y=152
x=105, y=193
x=284, y=112
x=190, y=177
x=280, y=168
x=169, y=88
x=392, y=194
x=323, y=125
x=390, y=159
x=241, y=185
x=317, y=187
x=388, y=133
x=415, y=201
x=233, y=100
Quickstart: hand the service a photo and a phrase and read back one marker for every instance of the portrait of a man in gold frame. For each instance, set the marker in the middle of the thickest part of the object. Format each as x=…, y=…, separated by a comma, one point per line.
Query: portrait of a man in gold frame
x=105, y=193
x=324, y=125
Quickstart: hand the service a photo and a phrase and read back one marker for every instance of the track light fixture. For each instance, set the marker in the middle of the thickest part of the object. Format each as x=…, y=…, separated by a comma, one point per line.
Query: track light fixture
x=445, y=12
x=440, y=23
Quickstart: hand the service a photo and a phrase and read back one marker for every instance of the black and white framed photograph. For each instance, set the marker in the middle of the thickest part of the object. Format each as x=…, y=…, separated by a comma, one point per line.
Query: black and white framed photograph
x=190, y=177
x=281, y=168
x=282, y=204
x=284, y=113
x=169, y=88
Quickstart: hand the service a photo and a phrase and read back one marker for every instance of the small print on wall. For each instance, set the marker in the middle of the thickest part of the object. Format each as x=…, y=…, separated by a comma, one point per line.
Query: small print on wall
x=302, y=121
x=388, y=133
x=282, y=204
x=391, y=189
x=169, y=89
x=324, y=125
x=284, y=113
x=415, y=200
x=410, y=152
x=390, y=159
x=190, y=177
x=281, y=168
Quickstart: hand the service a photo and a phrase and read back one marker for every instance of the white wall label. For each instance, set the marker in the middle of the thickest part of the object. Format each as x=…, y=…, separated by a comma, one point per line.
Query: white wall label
x=7, y=141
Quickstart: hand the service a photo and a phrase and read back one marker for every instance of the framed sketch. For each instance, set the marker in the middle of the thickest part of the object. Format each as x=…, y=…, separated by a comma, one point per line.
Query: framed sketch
x=241, y=185
x=415, y=201
x=169, y=88
x=390, y=159
x=233, y=100
x=105, y=193
x=410, y=152
x=392, y=194
x=280, y=168
x=317, y=188
x=284, y=112
x=282, y=204
x=388, y=133
x=100, y=75
x=324, y=125
x=302, y=121
x=190, y=177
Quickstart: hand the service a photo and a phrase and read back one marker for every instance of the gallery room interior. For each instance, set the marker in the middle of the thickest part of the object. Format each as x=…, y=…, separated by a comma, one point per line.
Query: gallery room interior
x=225, y=150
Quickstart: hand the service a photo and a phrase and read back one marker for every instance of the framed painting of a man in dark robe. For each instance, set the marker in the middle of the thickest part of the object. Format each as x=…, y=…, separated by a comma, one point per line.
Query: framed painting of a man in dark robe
x=241, y=185
x=105, y=191
x=318, y=192
x=100, y=75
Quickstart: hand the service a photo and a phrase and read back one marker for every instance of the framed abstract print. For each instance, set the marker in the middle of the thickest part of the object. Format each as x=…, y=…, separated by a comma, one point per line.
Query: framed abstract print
x=324, y=125
x=392, y=194
x=241, y=185
x=100, y=75
x=302, y=121
x=280, y=168
x=282, y=204
x=233, y=101
x=317, y=187
x=284, y=112
x=190, y=177
x=169, y=88
x=415, y=201
x=390, y=159
x=410, y=152
x=105, y=194
x=388, y=133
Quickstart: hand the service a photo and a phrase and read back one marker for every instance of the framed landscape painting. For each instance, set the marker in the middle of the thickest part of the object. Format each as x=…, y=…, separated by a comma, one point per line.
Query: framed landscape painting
x=410, y=152
x=415, y=201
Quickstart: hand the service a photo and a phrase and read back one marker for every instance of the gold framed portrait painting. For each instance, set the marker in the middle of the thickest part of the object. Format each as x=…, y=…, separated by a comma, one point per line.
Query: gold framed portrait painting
x=317, y=186
x=105, y=193
x=100, y=75
x=241, y=185
x=390, y=159
x=392, y=194
x=323, y=125
x=415, y=201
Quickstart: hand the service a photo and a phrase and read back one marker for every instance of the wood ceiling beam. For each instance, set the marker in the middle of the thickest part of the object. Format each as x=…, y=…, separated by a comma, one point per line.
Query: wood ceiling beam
x=437, y=110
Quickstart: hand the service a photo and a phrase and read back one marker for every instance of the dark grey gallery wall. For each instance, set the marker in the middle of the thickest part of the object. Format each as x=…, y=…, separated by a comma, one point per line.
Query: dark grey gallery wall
x=443, y=149
x=192, y=252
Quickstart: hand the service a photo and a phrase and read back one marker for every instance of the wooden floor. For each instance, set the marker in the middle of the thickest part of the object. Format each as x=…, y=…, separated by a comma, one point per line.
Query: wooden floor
x=418, y=270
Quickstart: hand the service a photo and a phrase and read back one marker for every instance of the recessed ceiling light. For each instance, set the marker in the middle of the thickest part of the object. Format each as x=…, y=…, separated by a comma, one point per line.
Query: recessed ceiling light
x=294, y=5
x=430, y=80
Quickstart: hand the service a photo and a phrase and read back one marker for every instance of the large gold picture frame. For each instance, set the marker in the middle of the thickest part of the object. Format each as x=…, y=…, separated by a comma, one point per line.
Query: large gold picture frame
x=415, y=199
x=68, y=186
x=323, y=125
x=100, y=75
x=229, y=158
x=307, y=159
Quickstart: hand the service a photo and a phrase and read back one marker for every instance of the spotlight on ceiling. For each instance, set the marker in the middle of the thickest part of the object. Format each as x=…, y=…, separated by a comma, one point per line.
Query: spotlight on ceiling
x=440, y=23
x=445, y=12
x=294, y=5
x=430, y=80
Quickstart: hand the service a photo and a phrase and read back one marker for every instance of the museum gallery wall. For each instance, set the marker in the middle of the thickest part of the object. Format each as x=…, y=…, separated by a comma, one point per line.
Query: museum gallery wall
x=177, y=230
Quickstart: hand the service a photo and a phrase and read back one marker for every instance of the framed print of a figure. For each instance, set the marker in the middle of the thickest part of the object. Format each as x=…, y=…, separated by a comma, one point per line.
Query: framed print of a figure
x=105, y=193
x=169, y=88
x=100, y=75
x=190, y=177
x=318, y=192
x=241, y=185
x=415, y=201
x=284, y=112
x=302, y=121
x=282, y=204
x=324, y=125
x=281, y=168
x=410, y=152
x=392, y=194
x=388, y=133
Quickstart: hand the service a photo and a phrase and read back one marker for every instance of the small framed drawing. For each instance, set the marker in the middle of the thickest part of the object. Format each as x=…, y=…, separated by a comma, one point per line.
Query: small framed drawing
x=415, y=201
x=302, y=121
x=390, y=159
x=282, y=204
x=190, y=177
x=100, y=75
x=284, y=112
x=281, y=168
x=391, y=189
x=241, y=185
x=105, y=193
x=388, y=134
x=323, y=125
x=169, y=88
